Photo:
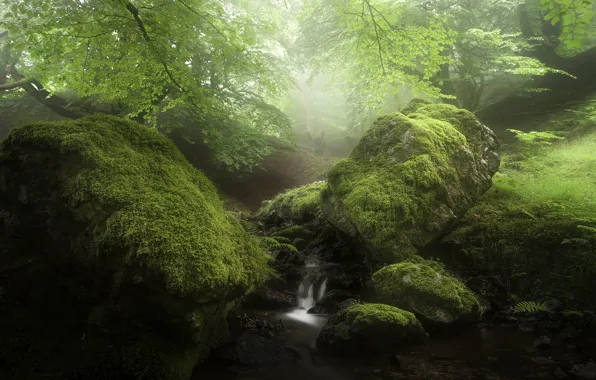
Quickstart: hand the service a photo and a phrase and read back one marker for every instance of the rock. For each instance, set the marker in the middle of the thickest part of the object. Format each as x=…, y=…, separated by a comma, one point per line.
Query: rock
x=149, y=262
x=376, y=327
x=560, y=374
x=332, y=298
x=317, y=310
x=299, y=205
x=410, y=178
x=526, y=327
x=254, y=350
x=296, y=232
x=435, y=298
x=585, y=371
x=300, y=244
x=542, y=342
x=347, y=303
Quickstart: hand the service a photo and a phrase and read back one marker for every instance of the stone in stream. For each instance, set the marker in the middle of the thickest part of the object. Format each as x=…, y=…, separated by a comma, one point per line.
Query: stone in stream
x=436, y=299
x=412, y=175
x=370, y=327
x=132, y=263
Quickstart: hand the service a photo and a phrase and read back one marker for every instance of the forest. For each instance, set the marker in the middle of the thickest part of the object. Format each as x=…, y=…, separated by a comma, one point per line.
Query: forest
x=297, y=189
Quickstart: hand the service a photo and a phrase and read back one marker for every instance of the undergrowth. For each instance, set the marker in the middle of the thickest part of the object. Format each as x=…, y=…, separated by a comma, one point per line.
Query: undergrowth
x=535, y=229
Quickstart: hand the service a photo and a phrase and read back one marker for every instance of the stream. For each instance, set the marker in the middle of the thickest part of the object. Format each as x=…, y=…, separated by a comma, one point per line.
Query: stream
x=483, y=351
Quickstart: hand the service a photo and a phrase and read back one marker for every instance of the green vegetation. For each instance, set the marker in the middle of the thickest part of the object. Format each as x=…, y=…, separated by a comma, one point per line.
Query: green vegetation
x=435, y=298
x=379, y=327
x=535, y=226
x=531, y=307
x=406, y=178
x=302, y=204
x=167, y=214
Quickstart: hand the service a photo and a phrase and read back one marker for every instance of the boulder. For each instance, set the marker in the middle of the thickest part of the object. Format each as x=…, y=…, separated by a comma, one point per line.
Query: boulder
x=410, y=178
x=298, y=205
x=129, y=253
x=370, y=327
x=436, y=299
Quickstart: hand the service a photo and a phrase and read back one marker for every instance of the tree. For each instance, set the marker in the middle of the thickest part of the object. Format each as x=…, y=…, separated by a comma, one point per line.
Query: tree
x=466, y=52
x=144, y=58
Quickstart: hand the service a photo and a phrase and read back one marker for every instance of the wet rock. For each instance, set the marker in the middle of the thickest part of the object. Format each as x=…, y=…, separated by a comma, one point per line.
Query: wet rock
x=542, y=342
x=317, y=310
x=526, y=327
x=585, y=371
x=270, y=299
x=374, y=327
x=435, y=298
x=560, y=374
x=331, y=300
x=253, y=350
x=347, y=303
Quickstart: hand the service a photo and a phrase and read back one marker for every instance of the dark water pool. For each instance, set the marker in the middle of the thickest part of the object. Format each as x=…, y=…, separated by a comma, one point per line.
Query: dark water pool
x=506, y=352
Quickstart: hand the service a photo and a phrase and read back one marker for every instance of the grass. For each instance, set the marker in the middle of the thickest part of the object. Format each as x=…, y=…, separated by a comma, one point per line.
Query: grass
x=555, y=178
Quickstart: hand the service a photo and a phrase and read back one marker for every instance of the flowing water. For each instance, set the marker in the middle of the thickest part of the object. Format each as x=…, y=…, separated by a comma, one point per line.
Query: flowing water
x=312, y=289
x=496, y=348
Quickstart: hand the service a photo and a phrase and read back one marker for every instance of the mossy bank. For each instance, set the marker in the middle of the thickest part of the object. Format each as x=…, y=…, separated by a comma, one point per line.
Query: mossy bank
x=127, y=236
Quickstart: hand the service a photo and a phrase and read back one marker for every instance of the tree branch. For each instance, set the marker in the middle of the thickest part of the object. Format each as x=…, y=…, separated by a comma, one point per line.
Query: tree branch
x=53, y=102
x=135, y=13
x=19, y=83
x=370, y=10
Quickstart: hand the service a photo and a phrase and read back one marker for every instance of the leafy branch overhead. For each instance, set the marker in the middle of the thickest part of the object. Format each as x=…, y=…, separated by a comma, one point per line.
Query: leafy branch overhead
x=146, y=57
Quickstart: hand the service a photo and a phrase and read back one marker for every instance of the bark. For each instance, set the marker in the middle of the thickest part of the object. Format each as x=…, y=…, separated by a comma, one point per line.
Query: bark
x=53, y=102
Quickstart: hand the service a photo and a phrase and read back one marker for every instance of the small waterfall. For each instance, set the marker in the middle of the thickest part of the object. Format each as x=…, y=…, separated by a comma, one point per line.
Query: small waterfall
x=313, y=283
x=308, y=301
x=322, y=290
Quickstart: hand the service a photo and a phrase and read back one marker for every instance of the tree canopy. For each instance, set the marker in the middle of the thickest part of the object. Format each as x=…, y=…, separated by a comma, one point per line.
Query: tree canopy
x=233, y=62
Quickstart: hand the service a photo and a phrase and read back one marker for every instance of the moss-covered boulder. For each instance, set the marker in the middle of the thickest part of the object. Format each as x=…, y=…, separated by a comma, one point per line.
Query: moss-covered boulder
x=370, y=327
x=298, y=205
x=127, y=242
x=435, y=298
x=410, y=177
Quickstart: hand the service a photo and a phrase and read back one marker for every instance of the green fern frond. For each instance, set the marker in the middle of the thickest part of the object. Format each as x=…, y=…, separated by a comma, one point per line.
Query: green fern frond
x=531, y=307
x=282, y=239
x=273, y=245
x=572, y=313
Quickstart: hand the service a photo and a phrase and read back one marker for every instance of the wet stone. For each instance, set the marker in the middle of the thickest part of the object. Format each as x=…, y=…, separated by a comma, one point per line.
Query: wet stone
x=542, y=342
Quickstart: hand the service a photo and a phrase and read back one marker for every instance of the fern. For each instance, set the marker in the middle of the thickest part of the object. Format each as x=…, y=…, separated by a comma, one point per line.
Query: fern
x=531, y=307
x=282, y=239
x=273, y=245
x=572, y=313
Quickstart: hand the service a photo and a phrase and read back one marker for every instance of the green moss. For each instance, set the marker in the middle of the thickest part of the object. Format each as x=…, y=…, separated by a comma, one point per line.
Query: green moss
x=378, y=327
x=414, y=105
x=142, y=198
x=433, y=297
x=406, y=177
x=295, y=232
x=527, y=229
x=299, y=204
x=371, y=313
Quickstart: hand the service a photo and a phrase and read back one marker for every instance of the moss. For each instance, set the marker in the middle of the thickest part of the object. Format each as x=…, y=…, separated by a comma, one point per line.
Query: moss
x=142, y=198
x=301, y=204
x=408, y=177
x=379, y=327
x=435, y=298
x=300, y=244
x=526, y=230
x=295, y=232
x=414, y=105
